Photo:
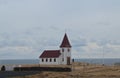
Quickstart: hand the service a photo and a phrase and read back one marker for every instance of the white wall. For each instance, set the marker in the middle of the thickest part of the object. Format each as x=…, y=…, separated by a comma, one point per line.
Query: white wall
x=65, y=54
x=48, y=62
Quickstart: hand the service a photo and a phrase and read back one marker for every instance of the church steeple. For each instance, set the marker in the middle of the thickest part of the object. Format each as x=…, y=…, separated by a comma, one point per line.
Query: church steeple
x=65, y=42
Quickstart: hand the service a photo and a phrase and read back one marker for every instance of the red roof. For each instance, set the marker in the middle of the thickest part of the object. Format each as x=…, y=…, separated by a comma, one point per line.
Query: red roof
x=65, y=42
x=50, y=54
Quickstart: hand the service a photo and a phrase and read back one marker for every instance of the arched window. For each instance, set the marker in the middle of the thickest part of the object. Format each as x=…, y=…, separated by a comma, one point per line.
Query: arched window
x=42, y=60
x=68, y=50
x=62, y=50
x=54, y=60
x=62, y=59
x=50, y=60
x=46, y=59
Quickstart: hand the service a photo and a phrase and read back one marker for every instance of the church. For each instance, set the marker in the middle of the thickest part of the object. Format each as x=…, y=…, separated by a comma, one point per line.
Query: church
x=57, y=57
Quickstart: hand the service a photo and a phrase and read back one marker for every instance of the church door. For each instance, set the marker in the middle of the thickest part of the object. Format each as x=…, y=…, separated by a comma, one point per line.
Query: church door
x=68, y=60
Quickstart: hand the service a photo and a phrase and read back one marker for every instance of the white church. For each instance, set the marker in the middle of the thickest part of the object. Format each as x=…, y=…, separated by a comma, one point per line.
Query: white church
x=56, y=57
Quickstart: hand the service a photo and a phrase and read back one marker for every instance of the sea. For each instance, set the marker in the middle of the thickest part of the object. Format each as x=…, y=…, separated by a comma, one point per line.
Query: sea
x=10, y=63
x=106, y=61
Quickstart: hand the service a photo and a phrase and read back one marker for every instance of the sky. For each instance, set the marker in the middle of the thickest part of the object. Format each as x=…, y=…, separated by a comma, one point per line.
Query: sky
x=28, y=27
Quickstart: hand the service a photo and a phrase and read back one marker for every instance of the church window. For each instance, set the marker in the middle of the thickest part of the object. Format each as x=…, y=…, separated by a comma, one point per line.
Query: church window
x=68, y=50
x=46, y=59
x=54, y=60
x=62, y=59
x=62, y=50
x=50, y=60
x=42, y=60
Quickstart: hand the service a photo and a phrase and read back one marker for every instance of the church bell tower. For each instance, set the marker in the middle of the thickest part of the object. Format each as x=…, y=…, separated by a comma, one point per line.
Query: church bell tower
x=65, y=49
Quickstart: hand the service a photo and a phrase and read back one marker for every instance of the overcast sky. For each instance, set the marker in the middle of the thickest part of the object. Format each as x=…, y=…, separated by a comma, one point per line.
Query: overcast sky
x=28, y=27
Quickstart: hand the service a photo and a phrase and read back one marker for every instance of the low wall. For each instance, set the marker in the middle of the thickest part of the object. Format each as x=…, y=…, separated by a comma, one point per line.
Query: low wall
x=60, y=69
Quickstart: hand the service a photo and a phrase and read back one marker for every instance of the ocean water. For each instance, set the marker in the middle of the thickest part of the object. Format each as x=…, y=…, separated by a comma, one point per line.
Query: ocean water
x=36, y=61
x=19, y=61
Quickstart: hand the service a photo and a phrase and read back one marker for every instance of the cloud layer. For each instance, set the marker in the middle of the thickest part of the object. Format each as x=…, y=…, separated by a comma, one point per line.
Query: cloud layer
x=28, y=27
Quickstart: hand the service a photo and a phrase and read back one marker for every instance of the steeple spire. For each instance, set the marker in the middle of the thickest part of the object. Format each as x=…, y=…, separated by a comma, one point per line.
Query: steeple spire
x=65, y=42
